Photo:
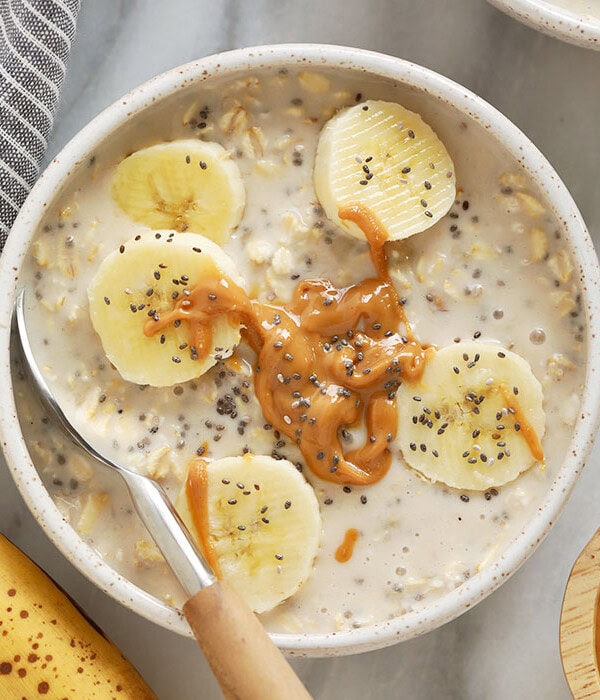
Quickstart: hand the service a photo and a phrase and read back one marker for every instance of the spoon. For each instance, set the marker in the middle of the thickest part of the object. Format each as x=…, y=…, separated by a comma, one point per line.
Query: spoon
x=242, y=656
x=580, y=624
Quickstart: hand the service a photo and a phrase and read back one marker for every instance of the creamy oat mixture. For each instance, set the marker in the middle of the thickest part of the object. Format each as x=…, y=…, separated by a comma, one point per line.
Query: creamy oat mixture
x=495, y=268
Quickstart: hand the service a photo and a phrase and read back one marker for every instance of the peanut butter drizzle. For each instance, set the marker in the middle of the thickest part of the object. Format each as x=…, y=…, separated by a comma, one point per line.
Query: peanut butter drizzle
x=527, y=430
x=345, y=551
x=196, y=492
x=329, y=360
x=217, y=296
x=374, y=232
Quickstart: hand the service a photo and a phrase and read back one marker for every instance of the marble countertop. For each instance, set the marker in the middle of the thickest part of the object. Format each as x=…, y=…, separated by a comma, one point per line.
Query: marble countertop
x=507, y=646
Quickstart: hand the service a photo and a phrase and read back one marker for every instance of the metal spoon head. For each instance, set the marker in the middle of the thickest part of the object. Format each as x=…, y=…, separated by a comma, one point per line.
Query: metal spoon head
x=39, y=382
x=31, y=366
x=149, y=499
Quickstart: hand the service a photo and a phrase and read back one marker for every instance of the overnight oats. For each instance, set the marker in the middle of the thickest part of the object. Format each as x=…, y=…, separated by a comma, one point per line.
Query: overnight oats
x=337, y=324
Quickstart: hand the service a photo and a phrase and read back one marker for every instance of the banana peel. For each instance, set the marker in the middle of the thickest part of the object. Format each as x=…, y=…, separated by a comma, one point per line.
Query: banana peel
x=48, y=648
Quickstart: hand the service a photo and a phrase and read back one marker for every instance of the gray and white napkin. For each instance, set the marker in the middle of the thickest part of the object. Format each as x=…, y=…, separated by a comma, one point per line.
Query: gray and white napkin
x=35, y=41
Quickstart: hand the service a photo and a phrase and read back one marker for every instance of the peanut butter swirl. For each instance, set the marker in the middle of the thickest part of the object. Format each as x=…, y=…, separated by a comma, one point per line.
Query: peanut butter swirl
x=327, y=362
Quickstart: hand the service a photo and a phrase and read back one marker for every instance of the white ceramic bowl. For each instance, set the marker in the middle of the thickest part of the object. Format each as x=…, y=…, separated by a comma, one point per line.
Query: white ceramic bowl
x=574, y=21
x=431, y=89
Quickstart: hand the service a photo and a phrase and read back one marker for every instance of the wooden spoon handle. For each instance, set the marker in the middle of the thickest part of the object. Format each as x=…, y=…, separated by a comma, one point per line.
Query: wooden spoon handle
x=243, y=658
x=579, y=624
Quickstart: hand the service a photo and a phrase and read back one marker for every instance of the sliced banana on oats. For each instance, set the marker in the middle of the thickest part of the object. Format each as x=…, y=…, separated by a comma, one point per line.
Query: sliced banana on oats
x=186, y=185
x=257, y=521
x=381, y=157
x=475, y=419
x=134, y=298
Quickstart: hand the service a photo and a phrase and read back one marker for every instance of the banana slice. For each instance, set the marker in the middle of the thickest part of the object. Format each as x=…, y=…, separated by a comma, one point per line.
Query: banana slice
x=258, y=523
x=475, y=419
x=134, y=290
x=381, y=157
x=186, y=185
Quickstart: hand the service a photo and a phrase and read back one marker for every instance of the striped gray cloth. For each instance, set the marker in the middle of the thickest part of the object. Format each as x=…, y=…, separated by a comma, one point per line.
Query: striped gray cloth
x=35, y=42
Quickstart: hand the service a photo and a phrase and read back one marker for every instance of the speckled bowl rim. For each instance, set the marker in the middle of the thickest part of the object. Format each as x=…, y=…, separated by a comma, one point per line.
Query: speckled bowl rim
x=374, y=636
x=554, y=21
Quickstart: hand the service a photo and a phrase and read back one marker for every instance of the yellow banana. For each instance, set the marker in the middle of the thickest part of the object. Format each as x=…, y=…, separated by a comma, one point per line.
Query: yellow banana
x=475, y=419
x=186, y=185
x=384, y=158
x=258, y=522
x=142, y=280
x=47, y=648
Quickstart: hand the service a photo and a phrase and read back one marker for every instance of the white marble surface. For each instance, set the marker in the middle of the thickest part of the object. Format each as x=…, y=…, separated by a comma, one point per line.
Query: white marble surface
x=506, y=647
